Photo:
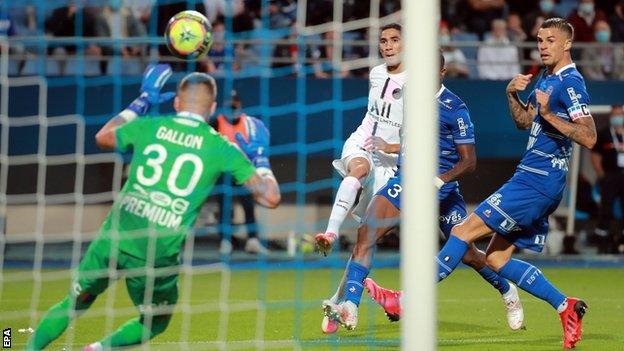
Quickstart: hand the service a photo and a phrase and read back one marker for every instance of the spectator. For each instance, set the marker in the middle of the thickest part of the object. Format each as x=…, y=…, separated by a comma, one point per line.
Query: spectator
x=228, y=125
x=608, y=161
x=123, y=24
x=514, y=28
x=323, y=58
x=285, y=55
x=583, y=19
x=533, y=20
x=482, y=13
x=604, y=62
x=214, y=9
x=219, y=51
x=453, y=57
x=62, y=23
x=277, y=18
x=617, y=23
x=498, y=59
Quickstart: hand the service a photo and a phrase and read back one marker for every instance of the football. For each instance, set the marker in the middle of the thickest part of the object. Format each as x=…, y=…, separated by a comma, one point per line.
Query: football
x=189, y=35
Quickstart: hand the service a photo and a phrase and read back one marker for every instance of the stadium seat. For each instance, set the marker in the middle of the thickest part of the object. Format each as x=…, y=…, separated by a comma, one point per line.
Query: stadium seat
x=469, y=52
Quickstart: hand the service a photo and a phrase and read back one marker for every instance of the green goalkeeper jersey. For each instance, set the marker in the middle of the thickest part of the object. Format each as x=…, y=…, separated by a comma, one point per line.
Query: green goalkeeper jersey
x=176, y=162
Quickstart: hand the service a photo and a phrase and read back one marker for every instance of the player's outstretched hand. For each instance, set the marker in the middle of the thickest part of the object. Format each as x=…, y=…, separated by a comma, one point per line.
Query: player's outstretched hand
x=519, y=83
x=542, y=99
x=154, y=78
x=257, y=144
x=374, y=143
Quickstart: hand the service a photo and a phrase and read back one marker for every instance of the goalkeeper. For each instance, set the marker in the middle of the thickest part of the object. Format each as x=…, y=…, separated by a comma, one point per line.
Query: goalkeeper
x=177, y=159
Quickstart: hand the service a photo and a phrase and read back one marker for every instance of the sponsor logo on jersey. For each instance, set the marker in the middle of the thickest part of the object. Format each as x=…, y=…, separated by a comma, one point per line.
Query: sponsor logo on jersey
x=385, y=108
x=152, y=212
x=452, y=218
x=536, y=129
x=495, y=199
x=462, y=127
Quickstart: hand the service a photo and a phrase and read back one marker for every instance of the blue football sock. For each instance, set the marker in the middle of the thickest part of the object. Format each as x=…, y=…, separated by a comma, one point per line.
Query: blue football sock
x=449, y=257
x=531, y=280
x=356, y=273
x=500, y=283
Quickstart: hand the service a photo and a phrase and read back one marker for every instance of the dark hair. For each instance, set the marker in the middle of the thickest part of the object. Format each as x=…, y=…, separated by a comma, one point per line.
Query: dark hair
x=560, y=24
x=393, y=25
x=197, y=78
x=442, y=63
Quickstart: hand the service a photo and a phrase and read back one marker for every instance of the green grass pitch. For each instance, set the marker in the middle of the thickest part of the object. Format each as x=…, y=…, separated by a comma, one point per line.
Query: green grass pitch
x=471, y=314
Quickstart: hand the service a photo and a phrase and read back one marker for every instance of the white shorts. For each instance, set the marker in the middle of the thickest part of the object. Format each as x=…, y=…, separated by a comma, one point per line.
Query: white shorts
x=383, y=167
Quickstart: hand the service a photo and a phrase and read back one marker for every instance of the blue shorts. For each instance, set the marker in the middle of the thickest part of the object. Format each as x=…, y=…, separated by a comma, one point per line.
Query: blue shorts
x=392, y=190
x=519, y=213
x=452, y=210
x=452, y=206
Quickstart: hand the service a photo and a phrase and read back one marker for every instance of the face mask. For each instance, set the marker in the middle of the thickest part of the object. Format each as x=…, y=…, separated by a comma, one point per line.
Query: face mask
x=586, y=8
x=617, y=121
x=547, y=6
x=602, y=36
x=444, y=39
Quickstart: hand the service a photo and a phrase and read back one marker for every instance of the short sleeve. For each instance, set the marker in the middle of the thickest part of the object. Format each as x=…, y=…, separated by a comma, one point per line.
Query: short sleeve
x=129, y=133
x=236, y=163
x=574, y=98
x=461, y=127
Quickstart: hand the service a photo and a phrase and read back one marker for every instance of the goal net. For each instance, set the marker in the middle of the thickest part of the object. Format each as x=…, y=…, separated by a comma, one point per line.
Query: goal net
x=300, y=66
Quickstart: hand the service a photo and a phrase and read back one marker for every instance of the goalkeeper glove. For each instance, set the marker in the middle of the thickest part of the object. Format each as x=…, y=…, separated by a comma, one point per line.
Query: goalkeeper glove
x=154, y=78
x=258, y=143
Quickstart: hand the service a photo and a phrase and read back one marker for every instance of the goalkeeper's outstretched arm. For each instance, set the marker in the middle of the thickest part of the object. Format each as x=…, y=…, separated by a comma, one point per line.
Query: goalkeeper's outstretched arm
x=154, y=78
x=262, y=184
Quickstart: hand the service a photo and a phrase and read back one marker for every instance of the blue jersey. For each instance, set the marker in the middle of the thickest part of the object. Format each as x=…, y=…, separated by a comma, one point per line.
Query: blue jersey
x=545, y=161
x=456, y=128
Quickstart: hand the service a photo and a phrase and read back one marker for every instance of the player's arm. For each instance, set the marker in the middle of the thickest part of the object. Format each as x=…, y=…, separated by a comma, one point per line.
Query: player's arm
x=262, y=183
x=264, y=188
x=154, y=78
x=467, y=164
x=521, y=113
x=582, y=129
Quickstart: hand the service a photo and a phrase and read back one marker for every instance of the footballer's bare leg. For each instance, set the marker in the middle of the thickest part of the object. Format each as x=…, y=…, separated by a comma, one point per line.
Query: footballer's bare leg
x=381, y=217
x=357, y=170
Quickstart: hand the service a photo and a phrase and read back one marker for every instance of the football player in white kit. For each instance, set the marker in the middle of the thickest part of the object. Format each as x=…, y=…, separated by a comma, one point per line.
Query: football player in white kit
x=369, y=156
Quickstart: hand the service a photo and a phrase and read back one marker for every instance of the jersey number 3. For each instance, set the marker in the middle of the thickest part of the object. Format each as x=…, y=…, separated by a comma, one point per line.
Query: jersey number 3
x=155, y=163
x=395, y=191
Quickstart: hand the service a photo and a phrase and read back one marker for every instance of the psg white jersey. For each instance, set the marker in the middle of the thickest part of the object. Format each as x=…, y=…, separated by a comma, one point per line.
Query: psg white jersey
x=384, y=116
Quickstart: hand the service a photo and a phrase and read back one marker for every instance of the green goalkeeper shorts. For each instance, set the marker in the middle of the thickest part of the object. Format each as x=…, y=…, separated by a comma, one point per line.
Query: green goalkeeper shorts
x=93, y=276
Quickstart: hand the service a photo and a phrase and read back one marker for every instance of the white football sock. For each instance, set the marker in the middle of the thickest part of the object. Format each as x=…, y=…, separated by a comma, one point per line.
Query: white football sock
x=345, y=198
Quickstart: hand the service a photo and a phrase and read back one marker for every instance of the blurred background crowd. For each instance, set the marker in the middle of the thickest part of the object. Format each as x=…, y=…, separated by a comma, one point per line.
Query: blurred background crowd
x=484, y=39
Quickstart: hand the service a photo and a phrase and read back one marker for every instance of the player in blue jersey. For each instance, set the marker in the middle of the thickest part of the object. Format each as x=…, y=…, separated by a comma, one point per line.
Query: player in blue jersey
x=517, y=214
x=457, y=158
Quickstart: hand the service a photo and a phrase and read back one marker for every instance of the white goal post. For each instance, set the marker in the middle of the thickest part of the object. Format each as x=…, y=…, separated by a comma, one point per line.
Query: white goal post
x=420, y=205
